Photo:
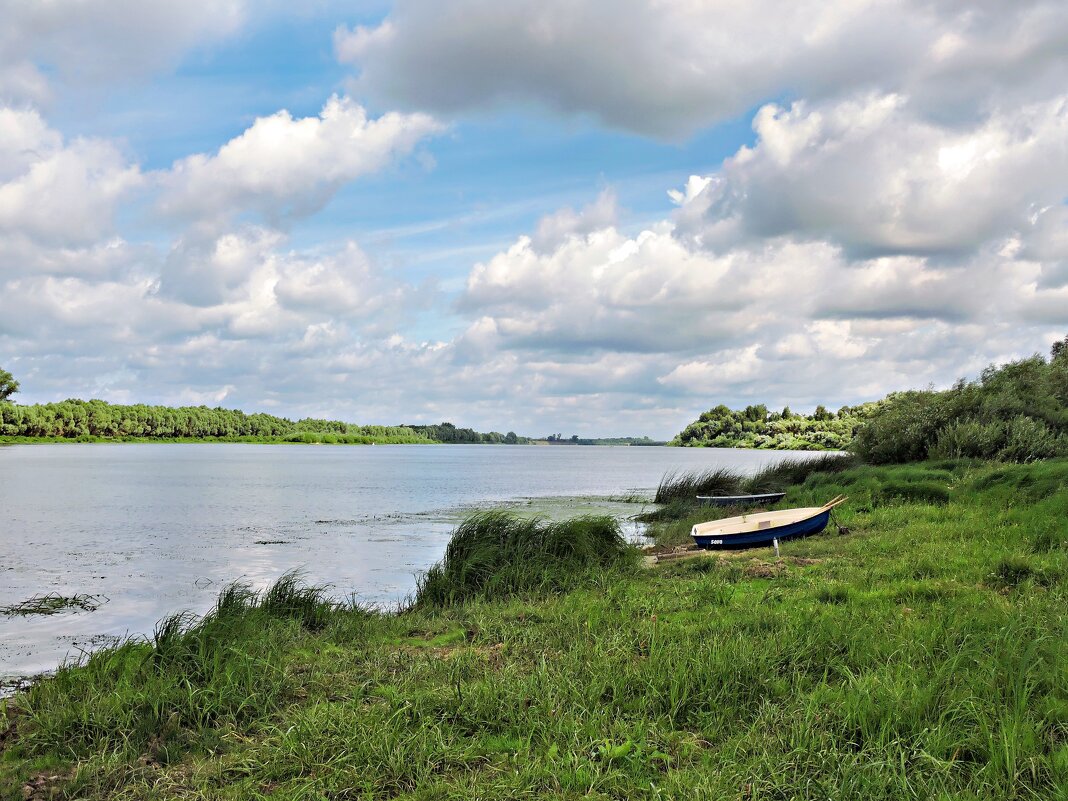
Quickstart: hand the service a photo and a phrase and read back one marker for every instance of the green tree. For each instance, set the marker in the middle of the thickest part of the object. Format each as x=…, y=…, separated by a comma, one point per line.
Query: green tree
x=8, y=385
x=756, y=414
x=1059, y=349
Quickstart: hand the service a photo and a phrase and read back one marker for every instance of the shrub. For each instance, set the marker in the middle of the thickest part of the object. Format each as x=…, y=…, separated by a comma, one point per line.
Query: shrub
x=1017, y=412
x=969, y=439
x=1027, y=440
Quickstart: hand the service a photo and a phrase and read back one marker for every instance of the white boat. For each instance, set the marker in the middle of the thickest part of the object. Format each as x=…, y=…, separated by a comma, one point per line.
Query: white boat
x=763, y=528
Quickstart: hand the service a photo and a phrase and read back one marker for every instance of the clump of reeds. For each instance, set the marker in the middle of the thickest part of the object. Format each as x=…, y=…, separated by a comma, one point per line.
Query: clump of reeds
x=788, y=472
x=496, y=554
x=688, y=485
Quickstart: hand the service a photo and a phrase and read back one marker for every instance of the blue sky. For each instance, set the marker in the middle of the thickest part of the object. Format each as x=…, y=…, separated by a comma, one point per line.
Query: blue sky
x=587, y=216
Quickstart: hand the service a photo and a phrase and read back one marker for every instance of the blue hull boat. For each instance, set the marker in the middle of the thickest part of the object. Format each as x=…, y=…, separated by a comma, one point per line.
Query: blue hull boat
x=766, y=498
x=762, y=528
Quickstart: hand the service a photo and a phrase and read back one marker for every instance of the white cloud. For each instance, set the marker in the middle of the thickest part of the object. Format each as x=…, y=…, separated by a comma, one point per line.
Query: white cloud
x=204, y=269
x=762, y=319
x=669, y=67
x=871, y=176
x=284, y=167
x=343, y=286
x=556, y=228
x=275, y=312
x=104, y=258
x=54, y=192
x=731, y=368
x=648, y=293
x=96, y=41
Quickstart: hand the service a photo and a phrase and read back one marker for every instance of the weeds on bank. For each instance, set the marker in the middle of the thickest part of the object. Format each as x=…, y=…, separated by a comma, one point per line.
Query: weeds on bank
x=194, y=678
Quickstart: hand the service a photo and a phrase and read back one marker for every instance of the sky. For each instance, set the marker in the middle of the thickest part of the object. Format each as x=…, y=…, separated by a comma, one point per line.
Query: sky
x=592, y=217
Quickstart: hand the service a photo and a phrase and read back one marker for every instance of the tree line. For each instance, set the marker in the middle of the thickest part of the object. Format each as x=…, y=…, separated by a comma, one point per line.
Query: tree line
x=1015, y=412
x=447, y=432
x=757, y=427
x=98, y=420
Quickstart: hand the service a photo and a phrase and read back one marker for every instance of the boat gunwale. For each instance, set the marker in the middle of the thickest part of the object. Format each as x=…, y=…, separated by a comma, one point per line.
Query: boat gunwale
x=754, y=497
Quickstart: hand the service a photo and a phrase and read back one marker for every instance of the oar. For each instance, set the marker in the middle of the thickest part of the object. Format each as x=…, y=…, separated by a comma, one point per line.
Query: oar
x=838, y=500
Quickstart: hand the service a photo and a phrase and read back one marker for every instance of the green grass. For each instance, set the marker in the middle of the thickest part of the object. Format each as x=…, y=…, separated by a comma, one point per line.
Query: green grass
x=924, y=655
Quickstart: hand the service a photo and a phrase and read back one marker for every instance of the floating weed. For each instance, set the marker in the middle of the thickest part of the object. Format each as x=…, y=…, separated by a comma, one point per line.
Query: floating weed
x=53, y=604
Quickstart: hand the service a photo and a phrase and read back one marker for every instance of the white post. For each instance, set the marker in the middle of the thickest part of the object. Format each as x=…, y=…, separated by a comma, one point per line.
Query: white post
x=775, y=542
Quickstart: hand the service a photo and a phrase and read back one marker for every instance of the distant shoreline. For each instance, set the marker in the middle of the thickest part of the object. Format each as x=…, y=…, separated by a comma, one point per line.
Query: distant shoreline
x=91, y=440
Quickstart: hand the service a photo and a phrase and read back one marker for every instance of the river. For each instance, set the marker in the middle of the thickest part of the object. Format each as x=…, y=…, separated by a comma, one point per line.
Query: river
x=150, y=529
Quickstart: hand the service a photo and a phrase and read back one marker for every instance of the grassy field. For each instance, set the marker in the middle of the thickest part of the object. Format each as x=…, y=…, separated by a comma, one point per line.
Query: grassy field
x=922, y=655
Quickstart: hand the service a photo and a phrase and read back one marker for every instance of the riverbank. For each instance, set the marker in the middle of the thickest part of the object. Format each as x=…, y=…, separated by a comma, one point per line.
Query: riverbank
x=923, y=653
x=294, y=439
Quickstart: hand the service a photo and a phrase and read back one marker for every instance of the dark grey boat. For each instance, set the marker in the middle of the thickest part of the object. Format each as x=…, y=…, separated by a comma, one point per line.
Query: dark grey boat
x=741, y=500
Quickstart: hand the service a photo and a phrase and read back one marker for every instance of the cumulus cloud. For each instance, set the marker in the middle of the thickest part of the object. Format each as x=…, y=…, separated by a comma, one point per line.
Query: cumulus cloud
x=87, y=311
x=203, y=269
x=344, y=285
x=669, y=67
x=55, y=192
x=872, y=176
x=284, y=167
x=272, y=306
x=646, y=293
x=105, y=258
x=556, y=228
x=95, y=41
x=795, y=317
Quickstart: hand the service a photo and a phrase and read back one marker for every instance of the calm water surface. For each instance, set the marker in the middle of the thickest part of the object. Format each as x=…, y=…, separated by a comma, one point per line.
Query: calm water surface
x=155, y=528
